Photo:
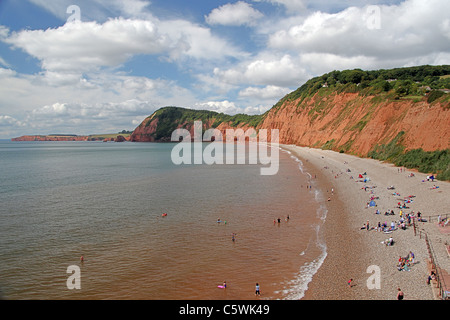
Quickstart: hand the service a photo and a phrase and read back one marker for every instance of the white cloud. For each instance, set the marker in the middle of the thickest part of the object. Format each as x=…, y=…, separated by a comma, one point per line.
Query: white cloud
x=87, y=46
x=10, y=121
x=197, y=42
x=254, y=110
x=266, y=69
x=88, y=118
x=412, y=28
x=236, y=14
x=268, y=92
x=97, y=104
x=225, y=106
x=6, y=72
x=81, y=47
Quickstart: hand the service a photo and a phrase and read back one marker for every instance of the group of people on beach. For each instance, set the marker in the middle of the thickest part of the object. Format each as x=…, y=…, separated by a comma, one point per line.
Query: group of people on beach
x=406, y=219
x=257, y=288
x=404, y=263
x=278, y=220
x=233, y=238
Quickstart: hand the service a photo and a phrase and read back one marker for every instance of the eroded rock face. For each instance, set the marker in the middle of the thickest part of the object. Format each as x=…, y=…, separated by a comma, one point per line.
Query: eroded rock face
x=120, y=138
x=355, y=123
x=341, y=121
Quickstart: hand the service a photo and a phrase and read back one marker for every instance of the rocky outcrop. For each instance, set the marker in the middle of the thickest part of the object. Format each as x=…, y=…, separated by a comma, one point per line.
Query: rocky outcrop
x=120, y=138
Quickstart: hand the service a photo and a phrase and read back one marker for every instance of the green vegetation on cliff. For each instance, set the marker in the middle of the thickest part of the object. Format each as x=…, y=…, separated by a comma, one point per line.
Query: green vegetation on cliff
x=402, y=83
x=170, y=118
x=425, y=161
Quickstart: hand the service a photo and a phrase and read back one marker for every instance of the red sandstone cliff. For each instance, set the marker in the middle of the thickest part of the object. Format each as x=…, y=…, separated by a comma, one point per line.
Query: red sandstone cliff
x=355, y=123
x=339, y=121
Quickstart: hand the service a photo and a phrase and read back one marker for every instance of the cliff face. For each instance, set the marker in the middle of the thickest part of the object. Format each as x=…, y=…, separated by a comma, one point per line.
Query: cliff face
x=145, y=132
x=339, y=121
x=355, y=123
x=159, y=126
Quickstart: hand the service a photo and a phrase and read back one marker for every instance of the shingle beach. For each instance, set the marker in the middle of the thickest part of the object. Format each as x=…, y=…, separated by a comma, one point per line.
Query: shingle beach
x=349, y=183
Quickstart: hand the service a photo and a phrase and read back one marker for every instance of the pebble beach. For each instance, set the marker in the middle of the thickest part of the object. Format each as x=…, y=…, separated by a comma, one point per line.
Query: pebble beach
x=349, y=183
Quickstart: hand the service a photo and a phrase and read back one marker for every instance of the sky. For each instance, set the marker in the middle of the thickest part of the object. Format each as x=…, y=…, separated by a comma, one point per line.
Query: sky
x=102, y=66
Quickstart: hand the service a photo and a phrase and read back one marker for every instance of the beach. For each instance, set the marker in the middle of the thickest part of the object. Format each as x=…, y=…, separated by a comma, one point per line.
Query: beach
x=349, y=183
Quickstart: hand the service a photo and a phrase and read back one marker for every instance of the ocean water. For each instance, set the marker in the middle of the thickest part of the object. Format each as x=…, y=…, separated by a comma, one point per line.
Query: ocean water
x=104, y=201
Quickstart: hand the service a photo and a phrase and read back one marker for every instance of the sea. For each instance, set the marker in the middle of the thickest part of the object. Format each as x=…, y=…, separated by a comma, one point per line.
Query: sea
x=121, y=221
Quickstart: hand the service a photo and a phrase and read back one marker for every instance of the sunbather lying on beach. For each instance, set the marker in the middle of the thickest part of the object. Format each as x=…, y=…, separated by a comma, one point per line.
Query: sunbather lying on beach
x=388, y=242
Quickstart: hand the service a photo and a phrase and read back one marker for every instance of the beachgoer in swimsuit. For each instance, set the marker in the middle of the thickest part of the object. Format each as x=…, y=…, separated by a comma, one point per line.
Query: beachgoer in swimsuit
x=400, y=294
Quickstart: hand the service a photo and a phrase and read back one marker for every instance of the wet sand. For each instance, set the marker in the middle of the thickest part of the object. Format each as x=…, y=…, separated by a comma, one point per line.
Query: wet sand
x=350, y=250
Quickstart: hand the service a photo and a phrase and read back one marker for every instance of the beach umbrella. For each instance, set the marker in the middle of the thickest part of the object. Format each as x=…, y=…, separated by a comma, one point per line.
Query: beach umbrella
x=372, y=203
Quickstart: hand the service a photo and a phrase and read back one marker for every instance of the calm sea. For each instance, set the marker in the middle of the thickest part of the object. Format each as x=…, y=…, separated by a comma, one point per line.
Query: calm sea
x=104, y=201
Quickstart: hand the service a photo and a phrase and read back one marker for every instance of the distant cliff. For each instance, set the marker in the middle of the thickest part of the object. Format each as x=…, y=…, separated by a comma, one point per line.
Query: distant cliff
x=105, y=137
x=50, y=138
x=159, y=126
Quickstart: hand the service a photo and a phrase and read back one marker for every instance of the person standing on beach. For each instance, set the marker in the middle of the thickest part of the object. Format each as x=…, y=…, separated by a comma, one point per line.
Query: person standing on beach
x=412, y=257
x=400, y=294
x=257, y=290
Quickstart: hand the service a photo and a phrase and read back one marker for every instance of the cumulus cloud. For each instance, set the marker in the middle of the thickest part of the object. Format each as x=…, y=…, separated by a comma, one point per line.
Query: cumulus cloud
x=267, y=69
x=236, y=14
x=412, y=28
x=258, y=109
x=267, y=92
x=78, y=47
x=88, y=118
x=224, y=106
x=94, y=105
x=6, y=120
x=198, y=42
x=87, y=46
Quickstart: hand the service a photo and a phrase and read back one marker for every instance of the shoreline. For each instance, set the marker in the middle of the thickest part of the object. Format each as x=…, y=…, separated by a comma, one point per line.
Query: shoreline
x=350, y=250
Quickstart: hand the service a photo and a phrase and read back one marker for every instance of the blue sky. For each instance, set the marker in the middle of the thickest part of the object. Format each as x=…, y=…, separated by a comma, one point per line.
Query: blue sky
x=101, y=66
